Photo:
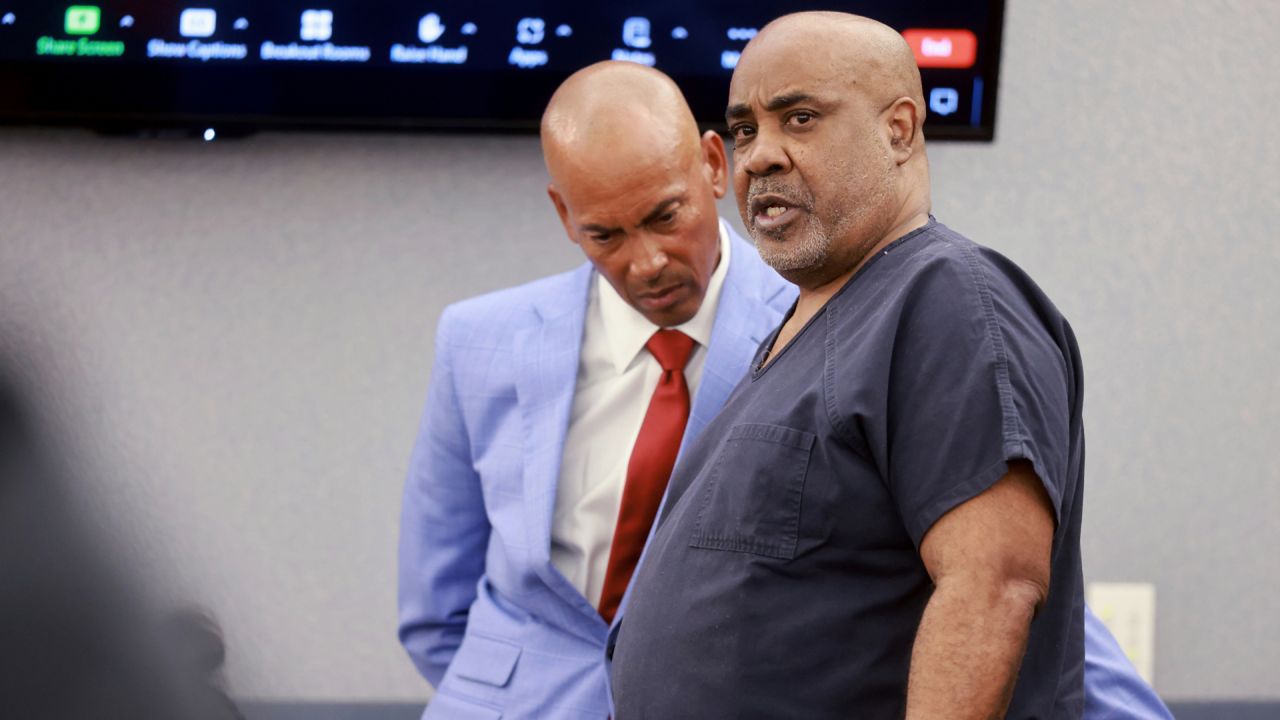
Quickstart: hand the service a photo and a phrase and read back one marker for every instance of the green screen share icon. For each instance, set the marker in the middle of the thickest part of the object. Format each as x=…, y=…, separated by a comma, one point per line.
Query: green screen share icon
x=83, y=19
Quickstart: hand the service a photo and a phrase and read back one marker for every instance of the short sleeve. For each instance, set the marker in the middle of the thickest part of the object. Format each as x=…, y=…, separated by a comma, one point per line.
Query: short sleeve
x=976, y=380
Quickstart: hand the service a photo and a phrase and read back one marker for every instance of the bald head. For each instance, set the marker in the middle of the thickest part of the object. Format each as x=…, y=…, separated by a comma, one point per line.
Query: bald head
x=826, y=112
x=636, y=186
x=611, y=115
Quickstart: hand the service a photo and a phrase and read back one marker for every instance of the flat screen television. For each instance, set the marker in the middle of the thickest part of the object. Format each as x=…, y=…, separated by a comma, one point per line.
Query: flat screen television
x=241, y=65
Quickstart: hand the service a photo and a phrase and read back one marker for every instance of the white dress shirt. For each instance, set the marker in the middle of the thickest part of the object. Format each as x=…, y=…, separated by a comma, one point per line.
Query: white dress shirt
x=616, y=379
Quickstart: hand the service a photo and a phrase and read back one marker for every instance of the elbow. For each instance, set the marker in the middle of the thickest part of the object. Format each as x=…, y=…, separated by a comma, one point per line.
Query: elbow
x=1029, y=593
x=430, y=652
x=1000, y=594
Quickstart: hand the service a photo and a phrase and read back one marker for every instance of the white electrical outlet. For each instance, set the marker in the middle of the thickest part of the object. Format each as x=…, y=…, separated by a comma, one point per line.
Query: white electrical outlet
x=1129, y=612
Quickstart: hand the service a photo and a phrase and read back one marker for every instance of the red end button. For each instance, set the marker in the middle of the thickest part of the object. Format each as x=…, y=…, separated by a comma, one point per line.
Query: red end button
x=943, y=48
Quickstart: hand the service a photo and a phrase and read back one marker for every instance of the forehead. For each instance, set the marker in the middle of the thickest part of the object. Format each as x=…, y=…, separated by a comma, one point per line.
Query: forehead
x=617, y=188
x=785, y=67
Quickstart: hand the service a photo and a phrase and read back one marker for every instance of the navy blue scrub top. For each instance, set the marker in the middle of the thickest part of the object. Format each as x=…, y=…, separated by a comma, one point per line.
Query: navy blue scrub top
x=785, y=580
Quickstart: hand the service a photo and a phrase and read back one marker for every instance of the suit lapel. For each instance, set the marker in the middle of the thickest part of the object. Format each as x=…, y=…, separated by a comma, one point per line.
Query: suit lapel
x=546, y=377
x=743, y=320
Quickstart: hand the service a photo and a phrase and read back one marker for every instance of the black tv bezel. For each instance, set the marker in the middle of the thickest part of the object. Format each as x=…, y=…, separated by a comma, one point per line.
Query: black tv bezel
x=49, y=84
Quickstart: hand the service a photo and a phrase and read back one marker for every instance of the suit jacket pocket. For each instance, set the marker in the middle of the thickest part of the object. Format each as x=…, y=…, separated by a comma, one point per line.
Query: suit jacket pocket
x=486, y=660
x=751, y=502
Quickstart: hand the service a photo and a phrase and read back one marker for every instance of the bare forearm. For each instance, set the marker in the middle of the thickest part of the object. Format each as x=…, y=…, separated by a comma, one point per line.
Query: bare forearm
x=968, y=649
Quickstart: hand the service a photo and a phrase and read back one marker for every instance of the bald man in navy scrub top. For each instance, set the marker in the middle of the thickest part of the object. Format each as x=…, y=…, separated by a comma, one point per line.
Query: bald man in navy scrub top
x=885, y=517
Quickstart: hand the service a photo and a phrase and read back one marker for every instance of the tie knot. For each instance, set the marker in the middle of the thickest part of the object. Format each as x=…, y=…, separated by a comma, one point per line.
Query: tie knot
x=671, y=348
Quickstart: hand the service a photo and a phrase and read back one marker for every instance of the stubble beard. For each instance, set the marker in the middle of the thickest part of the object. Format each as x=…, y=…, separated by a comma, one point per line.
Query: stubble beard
x=810, y=245
x=802, y=259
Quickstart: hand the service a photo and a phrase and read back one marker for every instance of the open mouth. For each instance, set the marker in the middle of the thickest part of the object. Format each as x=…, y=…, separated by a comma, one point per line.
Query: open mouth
x=771, y=212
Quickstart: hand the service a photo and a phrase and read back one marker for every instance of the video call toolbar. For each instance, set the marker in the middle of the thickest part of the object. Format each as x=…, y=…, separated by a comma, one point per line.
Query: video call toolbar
x=203, y=34
x=502, y=40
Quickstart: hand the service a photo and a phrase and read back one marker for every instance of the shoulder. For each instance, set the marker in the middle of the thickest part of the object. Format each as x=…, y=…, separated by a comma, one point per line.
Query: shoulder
x=935, y=296
x=492, y=318
x=939, y=260
x=941, y=273
x=946, y=296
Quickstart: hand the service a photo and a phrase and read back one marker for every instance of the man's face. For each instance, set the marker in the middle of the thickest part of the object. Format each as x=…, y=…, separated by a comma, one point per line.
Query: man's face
x=813, y=173
x=649, y=226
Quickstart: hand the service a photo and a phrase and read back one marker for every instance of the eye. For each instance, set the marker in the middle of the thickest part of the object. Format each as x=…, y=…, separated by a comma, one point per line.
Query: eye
x=742, y=132
x=666, y=218
x=801, y=117
x=599, y=238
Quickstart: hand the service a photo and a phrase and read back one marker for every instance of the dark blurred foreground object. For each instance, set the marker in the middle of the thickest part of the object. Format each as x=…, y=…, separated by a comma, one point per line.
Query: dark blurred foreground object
x=75, y=642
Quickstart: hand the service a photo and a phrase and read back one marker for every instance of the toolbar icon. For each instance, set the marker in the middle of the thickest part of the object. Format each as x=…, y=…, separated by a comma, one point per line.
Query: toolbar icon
x=944, y=100
x=197, y=22
x=8, y=19
x=470, y=28
x=679, y=32
x=241, y=24
x=317, y=25
x=530, y=31
x=564, y=31
x=429, y=28
x=83, y=19
x=635, y=32
x=955, y=48
x=126, y=21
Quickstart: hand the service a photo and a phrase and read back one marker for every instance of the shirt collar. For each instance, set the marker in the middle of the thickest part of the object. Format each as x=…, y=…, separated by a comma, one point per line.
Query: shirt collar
x=626, y=330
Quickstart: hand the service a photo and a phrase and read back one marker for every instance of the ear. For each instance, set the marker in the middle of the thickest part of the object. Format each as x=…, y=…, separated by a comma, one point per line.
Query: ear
x=904, y=118
x=715, y=162
x=562, y=210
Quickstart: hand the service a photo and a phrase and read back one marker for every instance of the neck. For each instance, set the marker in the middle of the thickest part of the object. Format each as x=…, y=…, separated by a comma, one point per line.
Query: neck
x=814, y=296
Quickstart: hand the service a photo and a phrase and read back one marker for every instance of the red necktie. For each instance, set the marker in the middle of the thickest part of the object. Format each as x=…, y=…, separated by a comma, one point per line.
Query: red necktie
x=649, y=468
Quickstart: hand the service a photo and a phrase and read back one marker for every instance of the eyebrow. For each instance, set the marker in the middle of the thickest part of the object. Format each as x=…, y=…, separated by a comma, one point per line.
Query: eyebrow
x=654, y=214
x=597, y=229
x=778, y=102
x=661, y=208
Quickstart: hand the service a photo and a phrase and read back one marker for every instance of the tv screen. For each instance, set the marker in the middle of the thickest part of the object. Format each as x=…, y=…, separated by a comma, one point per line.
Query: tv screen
x=424, y=64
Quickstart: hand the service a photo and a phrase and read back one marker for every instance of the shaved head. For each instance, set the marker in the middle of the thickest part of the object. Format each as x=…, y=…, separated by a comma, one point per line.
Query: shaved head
x=826, y=112
x=636, y=186
x=632, y=111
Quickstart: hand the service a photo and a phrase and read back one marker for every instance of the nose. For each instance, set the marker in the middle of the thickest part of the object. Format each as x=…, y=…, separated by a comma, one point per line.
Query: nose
x=765, y=155
x=648, y=259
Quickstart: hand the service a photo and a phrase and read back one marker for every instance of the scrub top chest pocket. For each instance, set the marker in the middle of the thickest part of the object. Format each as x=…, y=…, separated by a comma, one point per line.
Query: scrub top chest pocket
x=751, y=499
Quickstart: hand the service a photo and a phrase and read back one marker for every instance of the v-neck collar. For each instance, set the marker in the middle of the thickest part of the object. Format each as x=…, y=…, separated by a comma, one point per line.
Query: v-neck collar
x=758, y=371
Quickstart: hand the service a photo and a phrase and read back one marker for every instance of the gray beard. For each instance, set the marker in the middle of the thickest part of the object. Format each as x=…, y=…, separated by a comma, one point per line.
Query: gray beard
x=809, y=250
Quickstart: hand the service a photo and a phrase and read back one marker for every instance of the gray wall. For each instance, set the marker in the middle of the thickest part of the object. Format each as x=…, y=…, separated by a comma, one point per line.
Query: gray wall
x=237, y=335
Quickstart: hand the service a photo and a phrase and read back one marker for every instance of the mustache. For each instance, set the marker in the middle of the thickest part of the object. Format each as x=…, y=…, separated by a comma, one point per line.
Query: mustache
x=797, y=196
